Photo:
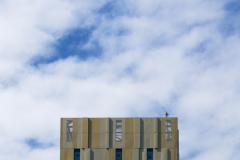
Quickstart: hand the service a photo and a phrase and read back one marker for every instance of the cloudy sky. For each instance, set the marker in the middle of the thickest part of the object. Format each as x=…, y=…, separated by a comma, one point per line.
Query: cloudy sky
x=121, y=58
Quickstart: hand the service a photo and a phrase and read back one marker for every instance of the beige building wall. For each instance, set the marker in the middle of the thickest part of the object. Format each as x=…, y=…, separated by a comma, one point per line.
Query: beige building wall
x=96, y=138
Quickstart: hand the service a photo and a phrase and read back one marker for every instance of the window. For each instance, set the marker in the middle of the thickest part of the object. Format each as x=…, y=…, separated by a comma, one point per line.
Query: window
x=118, y=154
x=168, y=130
x=118, y=130
x=69, y=130
x=76, y=154
x=149, y=154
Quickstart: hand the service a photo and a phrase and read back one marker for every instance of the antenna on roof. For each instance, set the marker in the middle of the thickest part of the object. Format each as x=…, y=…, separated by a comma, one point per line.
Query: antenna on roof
x=166, y=114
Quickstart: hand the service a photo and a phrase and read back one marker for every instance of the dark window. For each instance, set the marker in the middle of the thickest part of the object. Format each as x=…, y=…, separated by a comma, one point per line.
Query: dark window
x=149, y=154
x=69, y=130
x=118, y=130
x=168, y=130
x=118, y=154
x=76, y=154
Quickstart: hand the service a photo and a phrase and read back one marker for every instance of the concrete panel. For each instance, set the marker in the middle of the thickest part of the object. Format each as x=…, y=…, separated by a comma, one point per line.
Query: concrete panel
x=64, y=154
x=168, y=144
x=60, y=154
x=157, y=154
x=135, y=154
x=99, y=154
x=155, y=129
x=111, y=125
x=61, y=140
x=148, y=140
x=137, y=140
x=107, y=125
x=82, y=154
x=163, y=124
x=79, y=142
x=174, y=143
x=79, y=128
x=87, y=154
x=69, y=145
x=155, y=140
x=129, y=140
x=75, y=140
x=75, y=125
x=84, y=140
x=127, y=154
x=147, y=125
x=112, y=154
x=129, y=125
x=103, y=125
x=94, y=125
x=173, y=154
x=164, y=154
x=64, y=140
x=174, y=124
x=143, y=154
x=159, y=125
x=84, y=125
x=163, y=141
x=137, y=125
x=106, y=140
x=103, y=140
x=160, y=140
x=94, y=140
x=70, y=154
x=61, y=125
x=123, y=125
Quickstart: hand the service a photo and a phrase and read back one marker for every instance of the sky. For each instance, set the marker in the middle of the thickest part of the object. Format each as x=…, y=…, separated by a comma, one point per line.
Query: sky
x=121, y=58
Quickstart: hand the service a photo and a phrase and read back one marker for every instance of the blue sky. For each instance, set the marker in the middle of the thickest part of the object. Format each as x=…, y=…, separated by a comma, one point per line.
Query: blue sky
x=119, y=59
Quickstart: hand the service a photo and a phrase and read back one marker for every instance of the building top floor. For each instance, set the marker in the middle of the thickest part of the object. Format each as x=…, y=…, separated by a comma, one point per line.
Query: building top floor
x=155, y=132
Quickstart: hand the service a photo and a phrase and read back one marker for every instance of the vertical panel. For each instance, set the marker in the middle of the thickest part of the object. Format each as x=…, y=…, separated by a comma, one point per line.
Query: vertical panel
x=84, y=140
x=129, y=133
x=87, y=154
x=136, y=154
x=76, y=154
x=99, y=154
x=137, y=133
x=164, y=154
x=64, y=154
x=173, y=154
x=84, y=133
x=129, y=140
x=155, y=133
x=82, y=153
x=149, y=154
x=112, y=154
x=129, y=125
x=127, y=154
x=111, y=133
x=116, y=144
x=143, y=154
x=70, y=154
x=157, y=154
x=75, y=131
x=60, y=154
x=174, y=124
x=156, y=144
x=61, y=140
x=118, y=154
x=107, y=137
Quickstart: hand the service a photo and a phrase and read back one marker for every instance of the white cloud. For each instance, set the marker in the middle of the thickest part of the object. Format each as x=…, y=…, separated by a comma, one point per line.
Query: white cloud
x=153, y=65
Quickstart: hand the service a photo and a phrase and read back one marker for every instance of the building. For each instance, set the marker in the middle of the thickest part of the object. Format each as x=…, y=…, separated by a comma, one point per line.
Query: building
x=119, y=139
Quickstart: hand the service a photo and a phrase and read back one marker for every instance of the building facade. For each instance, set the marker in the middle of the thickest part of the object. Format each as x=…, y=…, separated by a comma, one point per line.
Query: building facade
x=119, y=139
